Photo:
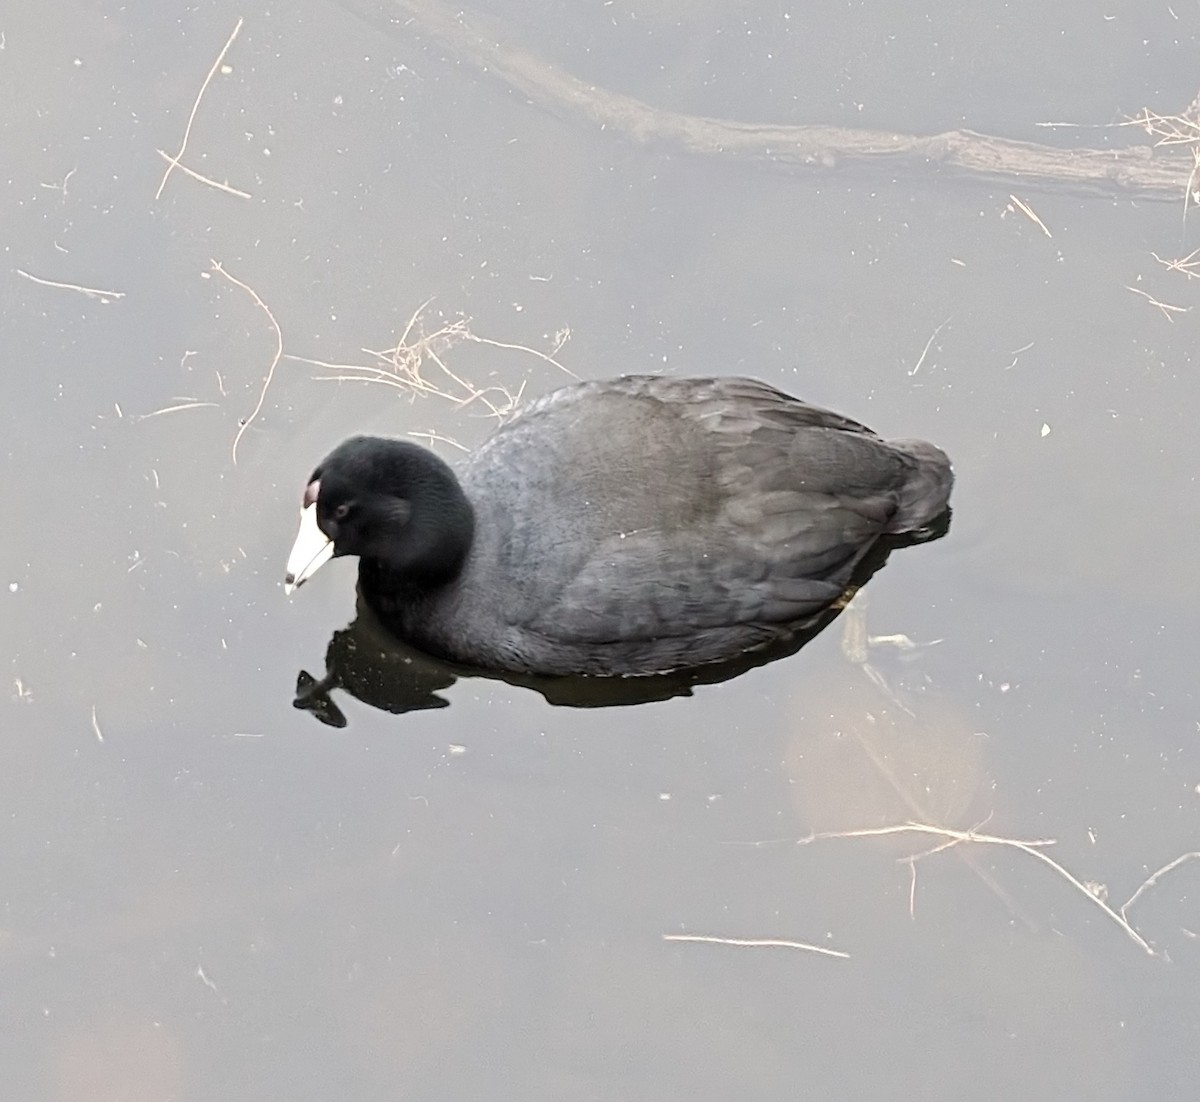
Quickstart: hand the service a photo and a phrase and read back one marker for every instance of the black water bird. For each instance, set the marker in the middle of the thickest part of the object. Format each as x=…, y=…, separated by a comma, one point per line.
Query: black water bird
x=628, y=526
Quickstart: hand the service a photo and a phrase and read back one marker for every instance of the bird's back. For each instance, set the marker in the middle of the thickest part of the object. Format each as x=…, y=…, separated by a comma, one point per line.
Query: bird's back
x=640, y=524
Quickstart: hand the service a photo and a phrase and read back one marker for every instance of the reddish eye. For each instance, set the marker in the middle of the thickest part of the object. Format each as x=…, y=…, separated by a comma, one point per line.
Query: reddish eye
x=341, y=512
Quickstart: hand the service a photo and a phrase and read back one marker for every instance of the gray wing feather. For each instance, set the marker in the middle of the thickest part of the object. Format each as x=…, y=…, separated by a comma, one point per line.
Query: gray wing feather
x=763, y=508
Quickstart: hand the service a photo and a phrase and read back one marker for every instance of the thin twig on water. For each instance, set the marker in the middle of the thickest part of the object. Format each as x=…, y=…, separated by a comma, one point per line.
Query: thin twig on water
x=758, y=943
x=91, y=292
x=1167, y=308
x=1032, y=847
x=187, y=132
x=262, y=394
x=226, y=187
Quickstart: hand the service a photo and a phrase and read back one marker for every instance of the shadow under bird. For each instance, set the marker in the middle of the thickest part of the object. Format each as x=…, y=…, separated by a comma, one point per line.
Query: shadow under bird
x=629, y=526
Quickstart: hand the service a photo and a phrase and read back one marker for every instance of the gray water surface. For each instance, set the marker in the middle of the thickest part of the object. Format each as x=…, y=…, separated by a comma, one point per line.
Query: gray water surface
x=206, y=894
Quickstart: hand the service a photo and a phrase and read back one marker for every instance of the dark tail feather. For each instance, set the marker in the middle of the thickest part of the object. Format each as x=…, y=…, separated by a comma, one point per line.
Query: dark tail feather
x=927, y=492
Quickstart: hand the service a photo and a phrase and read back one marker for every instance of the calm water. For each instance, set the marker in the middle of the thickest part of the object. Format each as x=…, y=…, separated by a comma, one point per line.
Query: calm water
x=207, y=894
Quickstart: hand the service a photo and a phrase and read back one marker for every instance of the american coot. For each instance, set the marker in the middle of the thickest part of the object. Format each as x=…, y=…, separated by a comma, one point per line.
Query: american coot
x=619, y=527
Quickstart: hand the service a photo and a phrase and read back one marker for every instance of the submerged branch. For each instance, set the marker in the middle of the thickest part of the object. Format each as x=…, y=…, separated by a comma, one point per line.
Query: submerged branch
x=1142, y=171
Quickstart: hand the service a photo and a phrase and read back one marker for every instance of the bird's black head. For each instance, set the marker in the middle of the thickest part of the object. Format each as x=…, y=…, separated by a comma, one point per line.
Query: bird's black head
x=363, y=492
x=395, y=505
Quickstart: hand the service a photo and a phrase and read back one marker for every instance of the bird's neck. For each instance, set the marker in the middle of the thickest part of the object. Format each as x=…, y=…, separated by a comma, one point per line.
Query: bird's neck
x=437, y=541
